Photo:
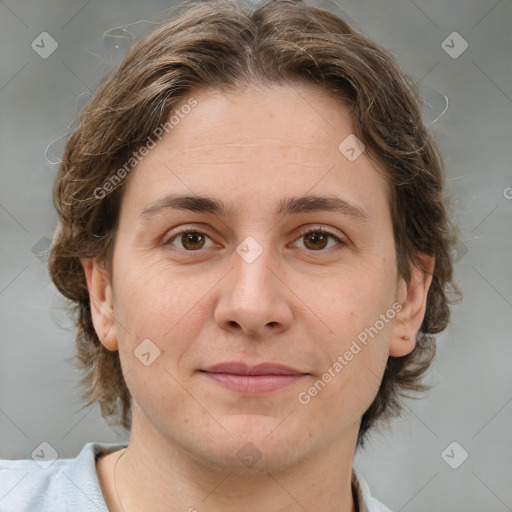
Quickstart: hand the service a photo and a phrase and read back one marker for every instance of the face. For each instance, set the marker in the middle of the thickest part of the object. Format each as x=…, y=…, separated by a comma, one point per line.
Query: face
x=263, y=275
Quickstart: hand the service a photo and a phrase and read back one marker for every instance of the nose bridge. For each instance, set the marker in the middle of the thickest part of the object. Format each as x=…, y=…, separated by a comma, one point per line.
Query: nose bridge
x=252, y=272
x=253, y=298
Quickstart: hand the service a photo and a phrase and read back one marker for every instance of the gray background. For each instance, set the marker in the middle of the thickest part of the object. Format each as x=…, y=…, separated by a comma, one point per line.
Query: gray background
x=471, y=402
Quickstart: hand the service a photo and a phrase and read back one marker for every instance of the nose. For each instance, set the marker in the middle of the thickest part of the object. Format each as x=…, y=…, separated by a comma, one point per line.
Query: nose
x=254, y=298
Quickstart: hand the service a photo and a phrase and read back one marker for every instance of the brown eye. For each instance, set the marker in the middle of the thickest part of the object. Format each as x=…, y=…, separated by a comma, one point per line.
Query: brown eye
x=316, y=241
x=189, y=240
x=192, y=240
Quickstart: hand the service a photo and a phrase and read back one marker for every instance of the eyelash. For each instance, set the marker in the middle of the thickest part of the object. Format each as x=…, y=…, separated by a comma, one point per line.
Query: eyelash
x=303, y=232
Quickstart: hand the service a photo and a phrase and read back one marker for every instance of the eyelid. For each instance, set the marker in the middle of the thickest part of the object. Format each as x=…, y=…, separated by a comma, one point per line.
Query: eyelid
x=318, y=228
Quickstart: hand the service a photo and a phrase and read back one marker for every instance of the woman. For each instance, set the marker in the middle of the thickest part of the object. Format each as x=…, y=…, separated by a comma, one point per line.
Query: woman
x=254, y=235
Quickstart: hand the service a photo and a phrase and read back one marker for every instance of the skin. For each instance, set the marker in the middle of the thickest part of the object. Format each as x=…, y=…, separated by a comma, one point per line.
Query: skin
x=299, y=303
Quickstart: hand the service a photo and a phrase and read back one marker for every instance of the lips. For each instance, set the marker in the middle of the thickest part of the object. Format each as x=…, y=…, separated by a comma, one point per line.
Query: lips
x=239, y=368
x=264, y=377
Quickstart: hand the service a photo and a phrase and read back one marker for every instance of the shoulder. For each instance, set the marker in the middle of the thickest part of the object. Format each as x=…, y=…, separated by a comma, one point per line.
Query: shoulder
x=61, y=484
x=367, y=503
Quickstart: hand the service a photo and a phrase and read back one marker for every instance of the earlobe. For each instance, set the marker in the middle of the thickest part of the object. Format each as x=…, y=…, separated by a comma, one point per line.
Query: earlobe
x=102, y=305
x=413, y=298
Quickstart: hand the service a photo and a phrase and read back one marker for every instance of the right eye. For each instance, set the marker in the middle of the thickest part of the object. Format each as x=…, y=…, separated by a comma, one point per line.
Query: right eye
x=190, y=239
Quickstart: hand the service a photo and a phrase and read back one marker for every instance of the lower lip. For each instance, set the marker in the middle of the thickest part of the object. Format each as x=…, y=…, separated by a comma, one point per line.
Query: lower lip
x=253, y=384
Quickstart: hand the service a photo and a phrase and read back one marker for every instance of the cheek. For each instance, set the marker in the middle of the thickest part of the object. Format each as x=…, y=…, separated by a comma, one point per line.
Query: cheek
x=159, y=324
x=168, y=308
x=155, y=390
x=357, y=314
x=350, y=304
x=341, y=394
x=154, y=299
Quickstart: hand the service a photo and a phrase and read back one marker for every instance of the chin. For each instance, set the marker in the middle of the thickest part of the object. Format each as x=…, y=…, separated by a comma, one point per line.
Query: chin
x=251, y=453
x=260, y=462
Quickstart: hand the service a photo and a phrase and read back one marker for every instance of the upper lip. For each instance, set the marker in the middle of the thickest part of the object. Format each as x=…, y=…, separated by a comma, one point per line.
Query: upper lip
x=241, y=368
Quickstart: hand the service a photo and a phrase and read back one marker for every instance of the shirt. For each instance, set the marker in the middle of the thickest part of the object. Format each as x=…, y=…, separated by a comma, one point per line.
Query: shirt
x=72, y=485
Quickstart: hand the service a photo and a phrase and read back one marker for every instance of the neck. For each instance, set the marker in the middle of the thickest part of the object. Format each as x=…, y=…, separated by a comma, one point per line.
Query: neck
x=157, y=472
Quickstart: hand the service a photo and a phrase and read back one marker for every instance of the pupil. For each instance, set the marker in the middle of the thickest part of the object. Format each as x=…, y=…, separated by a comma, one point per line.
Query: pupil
x=194, y=239
x=316, y=237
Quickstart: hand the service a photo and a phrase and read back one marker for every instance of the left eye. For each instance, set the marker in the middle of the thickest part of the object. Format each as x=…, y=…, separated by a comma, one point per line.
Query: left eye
x=318, y=239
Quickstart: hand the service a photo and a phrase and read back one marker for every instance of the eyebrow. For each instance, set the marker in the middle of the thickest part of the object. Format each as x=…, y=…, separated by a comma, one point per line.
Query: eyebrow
x=287, y=206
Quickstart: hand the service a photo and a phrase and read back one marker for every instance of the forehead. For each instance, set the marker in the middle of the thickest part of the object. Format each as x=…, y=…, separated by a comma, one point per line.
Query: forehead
x=263, y=143
x=291, y=116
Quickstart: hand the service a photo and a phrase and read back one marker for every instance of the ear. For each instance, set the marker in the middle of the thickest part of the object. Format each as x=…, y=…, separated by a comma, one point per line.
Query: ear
x=413, y=298
x=102, y=305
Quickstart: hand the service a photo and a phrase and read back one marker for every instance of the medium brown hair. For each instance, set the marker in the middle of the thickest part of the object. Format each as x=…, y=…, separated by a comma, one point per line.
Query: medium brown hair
x=228, y=45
